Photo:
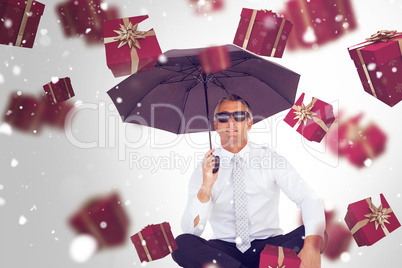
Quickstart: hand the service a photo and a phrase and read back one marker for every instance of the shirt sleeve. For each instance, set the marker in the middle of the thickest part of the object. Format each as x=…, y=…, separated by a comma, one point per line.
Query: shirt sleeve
x=194, y=206
x=304, y=196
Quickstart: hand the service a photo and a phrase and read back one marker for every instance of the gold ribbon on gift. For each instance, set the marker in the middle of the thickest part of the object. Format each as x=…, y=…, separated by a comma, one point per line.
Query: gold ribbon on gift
x=303, y=113
x=52, y=92
x=278, y=36
x=250, y=27
x=166, y=238
x=378, y=215
x=144, y=244
x=128, y=34
x=23, y=23
x=382, y=36
x=281, y=257
x=359, y=53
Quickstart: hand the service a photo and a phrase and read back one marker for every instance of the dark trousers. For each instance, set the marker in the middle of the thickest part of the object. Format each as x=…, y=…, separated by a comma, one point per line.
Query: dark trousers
x=196, y=252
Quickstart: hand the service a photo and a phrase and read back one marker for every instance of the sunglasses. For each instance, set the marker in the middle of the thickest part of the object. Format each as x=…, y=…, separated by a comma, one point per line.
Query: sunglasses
x=238, y=116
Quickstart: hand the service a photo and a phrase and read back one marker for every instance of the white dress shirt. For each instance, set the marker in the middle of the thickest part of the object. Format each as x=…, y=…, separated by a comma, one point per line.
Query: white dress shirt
x=265, y=173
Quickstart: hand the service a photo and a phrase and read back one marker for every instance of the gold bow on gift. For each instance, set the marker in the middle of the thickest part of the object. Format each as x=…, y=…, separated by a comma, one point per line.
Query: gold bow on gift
x=303, y=113
x=129, y=35
x=382, y=36
x=277, y=266
x=378, y=216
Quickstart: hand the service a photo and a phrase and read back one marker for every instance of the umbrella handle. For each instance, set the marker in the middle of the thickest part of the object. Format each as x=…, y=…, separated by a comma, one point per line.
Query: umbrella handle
x=216, y=168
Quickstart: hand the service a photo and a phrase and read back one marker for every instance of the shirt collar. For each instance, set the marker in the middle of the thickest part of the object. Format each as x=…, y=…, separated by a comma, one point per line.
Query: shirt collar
x=242, y=153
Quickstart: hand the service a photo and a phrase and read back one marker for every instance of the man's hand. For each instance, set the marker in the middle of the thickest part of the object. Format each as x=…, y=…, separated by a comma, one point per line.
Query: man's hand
x=209, y=178
x=310, y=253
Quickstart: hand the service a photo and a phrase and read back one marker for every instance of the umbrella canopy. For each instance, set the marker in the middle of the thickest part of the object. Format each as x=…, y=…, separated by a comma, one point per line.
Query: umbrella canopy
x=177, y=96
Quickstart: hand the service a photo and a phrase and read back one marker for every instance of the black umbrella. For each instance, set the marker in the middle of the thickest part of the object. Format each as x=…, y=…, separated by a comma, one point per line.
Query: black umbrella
x=176, y=95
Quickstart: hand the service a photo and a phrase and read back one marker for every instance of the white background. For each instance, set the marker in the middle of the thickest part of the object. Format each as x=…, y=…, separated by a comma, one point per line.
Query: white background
x=55, y=174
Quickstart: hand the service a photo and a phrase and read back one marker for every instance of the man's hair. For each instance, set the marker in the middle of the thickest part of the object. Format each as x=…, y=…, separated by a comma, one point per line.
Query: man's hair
x=233, y=97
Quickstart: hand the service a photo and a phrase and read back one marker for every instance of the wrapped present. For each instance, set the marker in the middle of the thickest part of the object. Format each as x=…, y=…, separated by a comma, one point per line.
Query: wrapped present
x=214, y=59
x=318, y=21
x=311, y=121
x=262, y=32
x=104, y=219
x=357, y=143
x=339, y=239
x=278, y=257
x=85, y=18
x=367, y=144
x=59, y=91
x=154, y=242
x=368, y=224
x=129, y=51
x=24, y=113
x=19, y=21
x=378, y=62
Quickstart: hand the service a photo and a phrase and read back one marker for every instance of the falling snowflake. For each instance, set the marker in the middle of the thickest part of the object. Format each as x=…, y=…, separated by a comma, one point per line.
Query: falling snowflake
x=22, y=220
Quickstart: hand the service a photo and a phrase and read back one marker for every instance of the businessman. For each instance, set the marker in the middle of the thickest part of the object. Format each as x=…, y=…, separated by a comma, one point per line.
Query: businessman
x=240, y=201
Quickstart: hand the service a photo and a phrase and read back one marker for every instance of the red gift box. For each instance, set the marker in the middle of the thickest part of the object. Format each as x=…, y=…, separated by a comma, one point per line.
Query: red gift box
x=320, y=21
x=214, y=59
x=86, y=18
x=138, y=54
x=311, y=121
x=367, y=145
x=154, y=242
x=274, y=257
x=262, y=32
x=19, y=21
x=377, y=62
x=59, y=91
x=368, y=224
x=24, y=113
x=104, y=219
x=357, y=143
x=339, y=239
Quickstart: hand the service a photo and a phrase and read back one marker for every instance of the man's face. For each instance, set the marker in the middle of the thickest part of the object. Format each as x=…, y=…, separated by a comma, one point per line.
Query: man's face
x=233, y=133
